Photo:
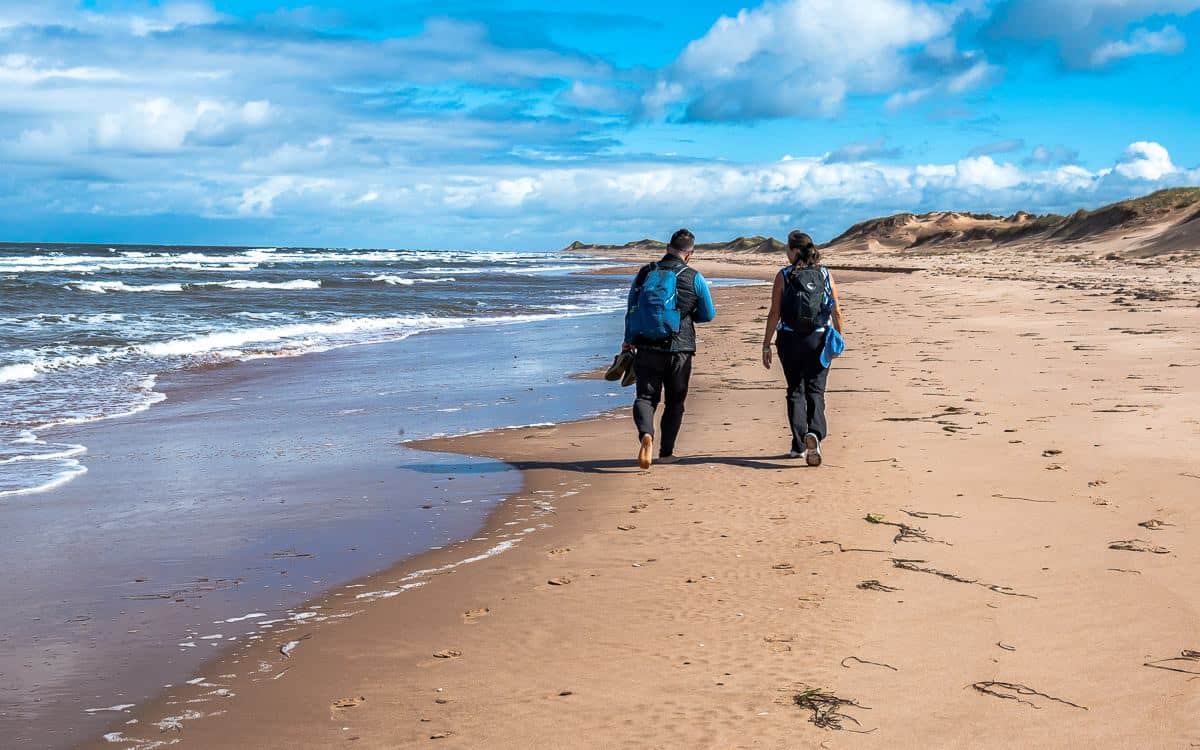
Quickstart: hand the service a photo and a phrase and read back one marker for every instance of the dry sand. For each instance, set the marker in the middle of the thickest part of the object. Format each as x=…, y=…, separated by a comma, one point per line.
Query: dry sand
x=1002, y=436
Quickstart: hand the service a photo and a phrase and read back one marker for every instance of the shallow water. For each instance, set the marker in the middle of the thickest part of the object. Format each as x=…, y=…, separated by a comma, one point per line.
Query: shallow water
x=247, y=491
x=85, y=330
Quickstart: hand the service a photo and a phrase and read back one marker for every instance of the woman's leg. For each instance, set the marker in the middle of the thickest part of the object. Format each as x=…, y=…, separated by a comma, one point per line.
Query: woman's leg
x=814, y=377
x=791, y=361
x=814, y=394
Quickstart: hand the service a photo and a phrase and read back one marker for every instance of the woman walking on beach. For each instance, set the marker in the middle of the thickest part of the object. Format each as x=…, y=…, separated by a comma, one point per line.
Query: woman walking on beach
x=804, y=303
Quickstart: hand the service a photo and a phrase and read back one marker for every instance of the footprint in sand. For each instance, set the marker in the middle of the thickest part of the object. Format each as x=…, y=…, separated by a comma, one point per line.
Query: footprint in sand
x=448, y=653
x=352, y=702
x=780, y=644
x=626, y=527
x=472, y=615
x=558, y=551
x=559, y=581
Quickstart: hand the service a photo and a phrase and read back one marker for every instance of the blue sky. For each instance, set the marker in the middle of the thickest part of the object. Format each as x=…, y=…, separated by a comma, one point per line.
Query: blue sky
x=531, y=124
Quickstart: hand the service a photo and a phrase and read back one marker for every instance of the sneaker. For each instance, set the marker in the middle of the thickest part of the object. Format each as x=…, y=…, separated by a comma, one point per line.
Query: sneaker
x=797, y=454
x=672, y=459
x=647, y=451
x=812, y=450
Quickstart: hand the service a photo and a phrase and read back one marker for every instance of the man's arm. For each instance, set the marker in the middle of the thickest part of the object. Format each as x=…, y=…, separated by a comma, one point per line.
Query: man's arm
x=633, y=289
x=705, y=310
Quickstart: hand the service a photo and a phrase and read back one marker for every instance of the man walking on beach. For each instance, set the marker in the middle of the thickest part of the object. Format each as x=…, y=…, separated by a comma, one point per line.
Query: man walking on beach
x=666, y=300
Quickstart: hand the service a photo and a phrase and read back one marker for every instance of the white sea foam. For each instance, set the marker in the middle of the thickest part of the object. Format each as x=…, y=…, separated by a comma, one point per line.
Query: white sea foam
x=243, y=260
x=251, y=616
x=282, y=285
x=105, y=287
x=406, y=281
x=19, y=371
x=70, y=470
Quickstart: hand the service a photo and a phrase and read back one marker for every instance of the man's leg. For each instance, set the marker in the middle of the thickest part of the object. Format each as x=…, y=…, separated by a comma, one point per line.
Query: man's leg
x=676, y=382
x=648, y=367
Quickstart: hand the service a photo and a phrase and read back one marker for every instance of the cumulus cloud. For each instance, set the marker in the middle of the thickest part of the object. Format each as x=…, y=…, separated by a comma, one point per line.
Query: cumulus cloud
x=1166, y=41
x=803, y=58
x=1146, y=161
x=1092, y=33
x=161, y=124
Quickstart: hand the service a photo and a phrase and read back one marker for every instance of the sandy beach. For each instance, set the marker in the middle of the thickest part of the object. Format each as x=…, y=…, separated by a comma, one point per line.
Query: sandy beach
x=996, y=553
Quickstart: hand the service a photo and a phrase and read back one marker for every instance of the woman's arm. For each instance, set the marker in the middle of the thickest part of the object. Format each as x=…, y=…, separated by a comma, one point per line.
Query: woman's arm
x=837, y=307
x=772, y=320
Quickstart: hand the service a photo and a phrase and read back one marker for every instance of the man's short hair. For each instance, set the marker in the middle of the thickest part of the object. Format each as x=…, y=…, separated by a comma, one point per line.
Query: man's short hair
x=682, y=241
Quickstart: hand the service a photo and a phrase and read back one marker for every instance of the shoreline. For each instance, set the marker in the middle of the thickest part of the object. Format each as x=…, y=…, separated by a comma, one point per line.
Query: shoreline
x=202, y=417
x=568, y=638
x=434, y=561
x=409, y=573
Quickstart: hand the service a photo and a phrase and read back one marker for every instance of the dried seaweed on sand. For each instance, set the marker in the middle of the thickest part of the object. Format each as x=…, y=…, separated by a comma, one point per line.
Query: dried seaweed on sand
x=1013, y=691
x=915, y=566
x=1187, y=657
x=905, y=533
x=827, y=710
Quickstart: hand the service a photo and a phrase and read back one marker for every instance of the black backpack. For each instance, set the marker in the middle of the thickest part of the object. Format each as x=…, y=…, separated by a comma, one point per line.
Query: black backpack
x=803, y=298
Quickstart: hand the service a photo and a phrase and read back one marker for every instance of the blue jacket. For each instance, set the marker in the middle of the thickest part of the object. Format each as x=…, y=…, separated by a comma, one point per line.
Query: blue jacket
x=692, y=298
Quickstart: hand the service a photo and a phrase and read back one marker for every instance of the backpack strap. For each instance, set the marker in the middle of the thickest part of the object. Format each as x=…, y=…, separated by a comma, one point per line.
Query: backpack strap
x=649, y=269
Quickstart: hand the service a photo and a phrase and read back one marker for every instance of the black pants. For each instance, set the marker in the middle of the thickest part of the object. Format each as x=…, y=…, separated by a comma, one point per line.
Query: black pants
x=658, y=371
x=800, y=357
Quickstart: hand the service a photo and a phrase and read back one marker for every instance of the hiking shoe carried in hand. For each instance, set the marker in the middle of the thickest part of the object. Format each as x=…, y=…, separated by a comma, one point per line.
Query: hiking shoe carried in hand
x=671, y=459
x=630, y=376
x=812, y=450
x=647, y=451
x=621, y=366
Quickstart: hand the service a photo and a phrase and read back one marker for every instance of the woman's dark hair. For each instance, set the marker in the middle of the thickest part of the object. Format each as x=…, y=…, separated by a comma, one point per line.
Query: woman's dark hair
x=806, y=252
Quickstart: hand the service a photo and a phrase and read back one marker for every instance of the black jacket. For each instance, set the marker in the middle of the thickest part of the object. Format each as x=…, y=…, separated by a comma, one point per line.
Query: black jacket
x=692, y=299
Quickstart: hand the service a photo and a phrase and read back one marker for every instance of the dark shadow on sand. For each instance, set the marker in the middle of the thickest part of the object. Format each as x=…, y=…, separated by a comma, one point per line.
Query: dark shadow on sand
x=609, y=465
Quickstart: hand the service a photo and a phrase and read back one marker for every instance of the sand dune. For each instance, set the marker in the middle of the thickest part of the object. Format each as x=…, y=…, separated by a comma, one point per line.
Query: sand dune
x=1157, y=224
x=1165, y=224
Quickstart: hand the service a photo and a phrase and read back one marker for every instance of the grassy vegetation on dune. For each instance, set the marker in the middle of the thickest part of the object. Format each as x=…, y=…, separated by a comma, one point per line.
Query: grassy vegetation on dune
x=1164, y=200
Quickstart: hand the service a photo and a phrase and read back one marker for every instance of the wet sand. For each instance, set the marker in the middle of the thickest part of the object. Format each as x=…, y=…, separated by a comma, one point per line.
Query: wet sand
x=999, y=551
x=249, y=490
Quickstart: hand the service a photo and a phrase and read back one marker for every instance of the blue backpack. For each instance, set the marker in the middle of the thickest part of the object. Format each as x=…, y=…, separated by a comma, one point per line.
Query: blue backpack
x=655, y=314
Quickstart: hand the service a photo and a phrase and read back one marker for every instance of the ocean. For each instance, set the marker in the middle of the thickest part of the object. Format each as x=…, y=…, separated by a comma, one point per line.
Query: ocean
x=175, y=477
x=85, y=331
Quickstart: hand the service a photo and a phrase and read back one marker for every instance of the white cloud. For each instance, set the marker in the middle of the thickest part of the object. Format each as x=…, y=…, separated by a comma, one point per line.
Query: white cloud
x=720, y=198
x=1166, y=41
x=599, y=97
x=1146, y=161
x=170, y=16
x=161, y=124
x=1092, y=33
x=259, y=200
x=26, y=71
x=804, y=57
